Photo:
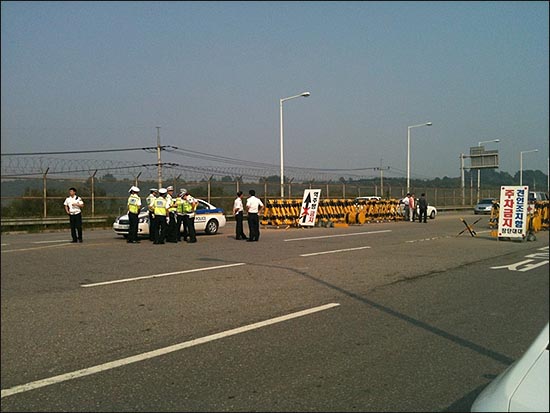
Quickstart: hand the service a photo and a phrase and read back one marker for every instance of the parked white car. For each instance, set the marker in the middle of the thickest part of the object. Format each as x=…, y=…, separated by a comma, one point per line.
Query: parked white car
x=432, y=211
x=485, y=206
x=208, y=219
x=523, y=386
x=367, y=198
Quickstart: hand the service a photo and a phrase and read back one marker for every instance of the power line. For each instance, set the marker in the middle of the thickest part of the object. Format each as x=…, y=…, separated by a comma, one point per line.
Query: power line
x=192, y=154
x=74, y=152
x=80, y=170
x=18, y=165
x=225, y=159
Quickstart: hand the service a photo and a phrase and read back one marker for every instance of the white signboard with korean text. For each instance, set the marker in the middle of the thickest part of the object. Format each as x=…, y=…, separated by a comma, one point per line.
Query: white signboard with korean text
x=310, y=203
x=512, y=218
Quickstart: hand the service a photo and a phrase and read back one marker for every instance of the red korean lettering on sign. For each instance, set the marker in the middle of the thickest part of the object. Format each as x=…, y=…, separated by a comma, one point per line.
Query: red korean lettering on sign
x=512, y=220
x=508, y=208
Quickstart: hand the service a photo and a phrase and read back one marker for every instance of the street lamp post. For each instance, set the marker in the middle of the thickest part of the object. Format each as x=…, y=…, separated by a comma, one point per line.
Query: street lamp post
x=305, y=95
x=479, y=170
x=159, y=165
x=409, y=151
x=521, y=164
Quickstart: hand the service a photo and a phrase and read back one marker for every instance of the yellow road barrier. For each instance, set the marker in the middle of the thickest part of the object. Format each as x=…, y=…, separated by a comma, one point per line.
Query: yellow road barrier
x=332, y=211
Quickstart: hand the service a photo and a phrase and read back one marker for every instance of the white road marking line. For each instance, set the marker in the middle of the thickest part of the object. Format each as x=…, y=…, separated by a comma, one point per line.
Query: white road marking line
x=428, y=239
x=159, y=352
x=145, y=277
x=47, y=242
x=529, y=265
x=37, y=248
x=333, y=251
x=339, y=235
x=3, y=245
x=421, y=240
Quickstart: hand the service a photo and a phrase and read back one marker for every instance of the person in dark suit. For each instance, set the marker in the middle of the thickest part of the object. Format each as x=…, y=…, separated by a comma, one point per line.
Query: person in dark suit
x=422, y=208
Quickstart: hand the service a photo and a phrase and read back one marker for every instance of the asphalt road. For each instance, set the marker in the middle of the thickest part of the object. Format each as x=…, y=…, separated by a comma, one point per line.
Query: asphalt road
x=380, y=317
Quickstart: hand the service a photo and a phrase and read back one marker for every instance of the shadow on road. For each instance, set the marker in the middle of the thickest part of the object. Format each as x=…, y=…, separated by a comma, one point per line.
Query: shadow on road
x=501, y=358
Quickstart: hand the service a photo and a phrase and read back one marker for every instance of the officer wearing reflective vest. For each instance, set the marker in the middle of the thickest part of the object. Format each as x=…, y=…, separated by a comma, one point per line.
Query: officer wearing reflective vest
x=160, y=210
x=172, y=232
x=150, y=200
x=180, y=213
x=189, y=207
x=134, y=205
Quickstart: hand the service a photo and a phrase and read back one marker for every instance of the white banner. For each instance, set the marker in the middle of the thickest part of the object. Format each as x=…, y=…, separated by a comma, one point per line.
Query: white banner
x=512, y=218
x=310, y=203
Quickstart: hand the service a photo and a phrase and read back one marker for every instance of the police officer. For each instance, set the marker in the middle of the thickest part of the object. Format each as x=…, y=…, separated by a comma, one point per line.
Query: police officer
x=171, y=233
x=238, y=212
x=189, y=207
x=161, y=213
x=73, y=207
x=134, y=205
x=150, y=206
x=180, y=213
x=253, y=208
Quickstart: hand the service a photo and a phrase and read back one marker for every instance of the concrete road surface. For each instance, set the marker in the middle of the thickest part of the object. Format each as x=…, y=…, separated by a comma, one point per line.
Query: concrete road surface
x=380, y=317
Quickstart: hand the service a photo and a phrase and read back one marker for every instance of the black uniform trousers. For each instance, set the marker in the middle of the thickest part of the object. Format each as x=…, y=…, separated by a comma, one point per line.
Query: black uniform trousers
x=76, y=226
x=160, y=231
x=133, y=230
x=423, y=212
x=171, y=233
x=189, y=228
x=180, y=219
x=239, y=232
x=152, y=226
x=253, y=226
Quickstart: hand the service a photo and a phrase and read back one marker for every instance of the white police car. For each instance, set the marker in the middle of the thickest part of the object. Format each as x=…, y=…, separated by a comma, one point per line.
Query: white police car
x=208, y=218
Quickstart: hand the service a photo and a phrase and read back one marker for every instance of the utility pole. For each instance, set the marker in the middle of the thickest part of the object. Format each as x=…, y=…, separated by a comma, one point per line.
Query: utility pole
x=381, y=180
x=381, y=169
x=44, y=195
x=93, y=194
x=462, y=176
x=159, y=167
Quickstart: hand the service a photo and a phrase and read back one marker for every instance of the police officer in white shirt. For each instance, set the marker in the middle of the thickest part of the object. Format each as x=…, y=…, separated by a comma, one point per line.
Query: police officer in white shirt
x=406, y=205
x=238, y=212
x=253, y=207
x=73, y=207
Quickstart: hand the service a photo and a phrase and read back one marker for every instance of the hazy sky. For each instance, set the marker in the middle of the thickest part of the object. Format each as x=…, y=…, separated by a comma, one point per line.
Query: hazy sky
x=100, y=75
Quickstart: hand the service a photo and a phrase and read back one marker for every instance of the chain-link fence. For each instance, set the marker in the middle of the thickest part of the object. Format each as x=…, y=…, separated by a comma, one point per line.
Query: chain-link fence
x=44, y=198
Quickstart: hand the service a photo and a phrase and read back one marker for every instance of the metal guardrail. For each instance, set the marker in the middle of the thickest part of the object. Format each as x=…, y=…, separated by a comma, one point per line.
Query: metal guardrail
x=8, y=222
x=454, y=208
x=19, y=222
